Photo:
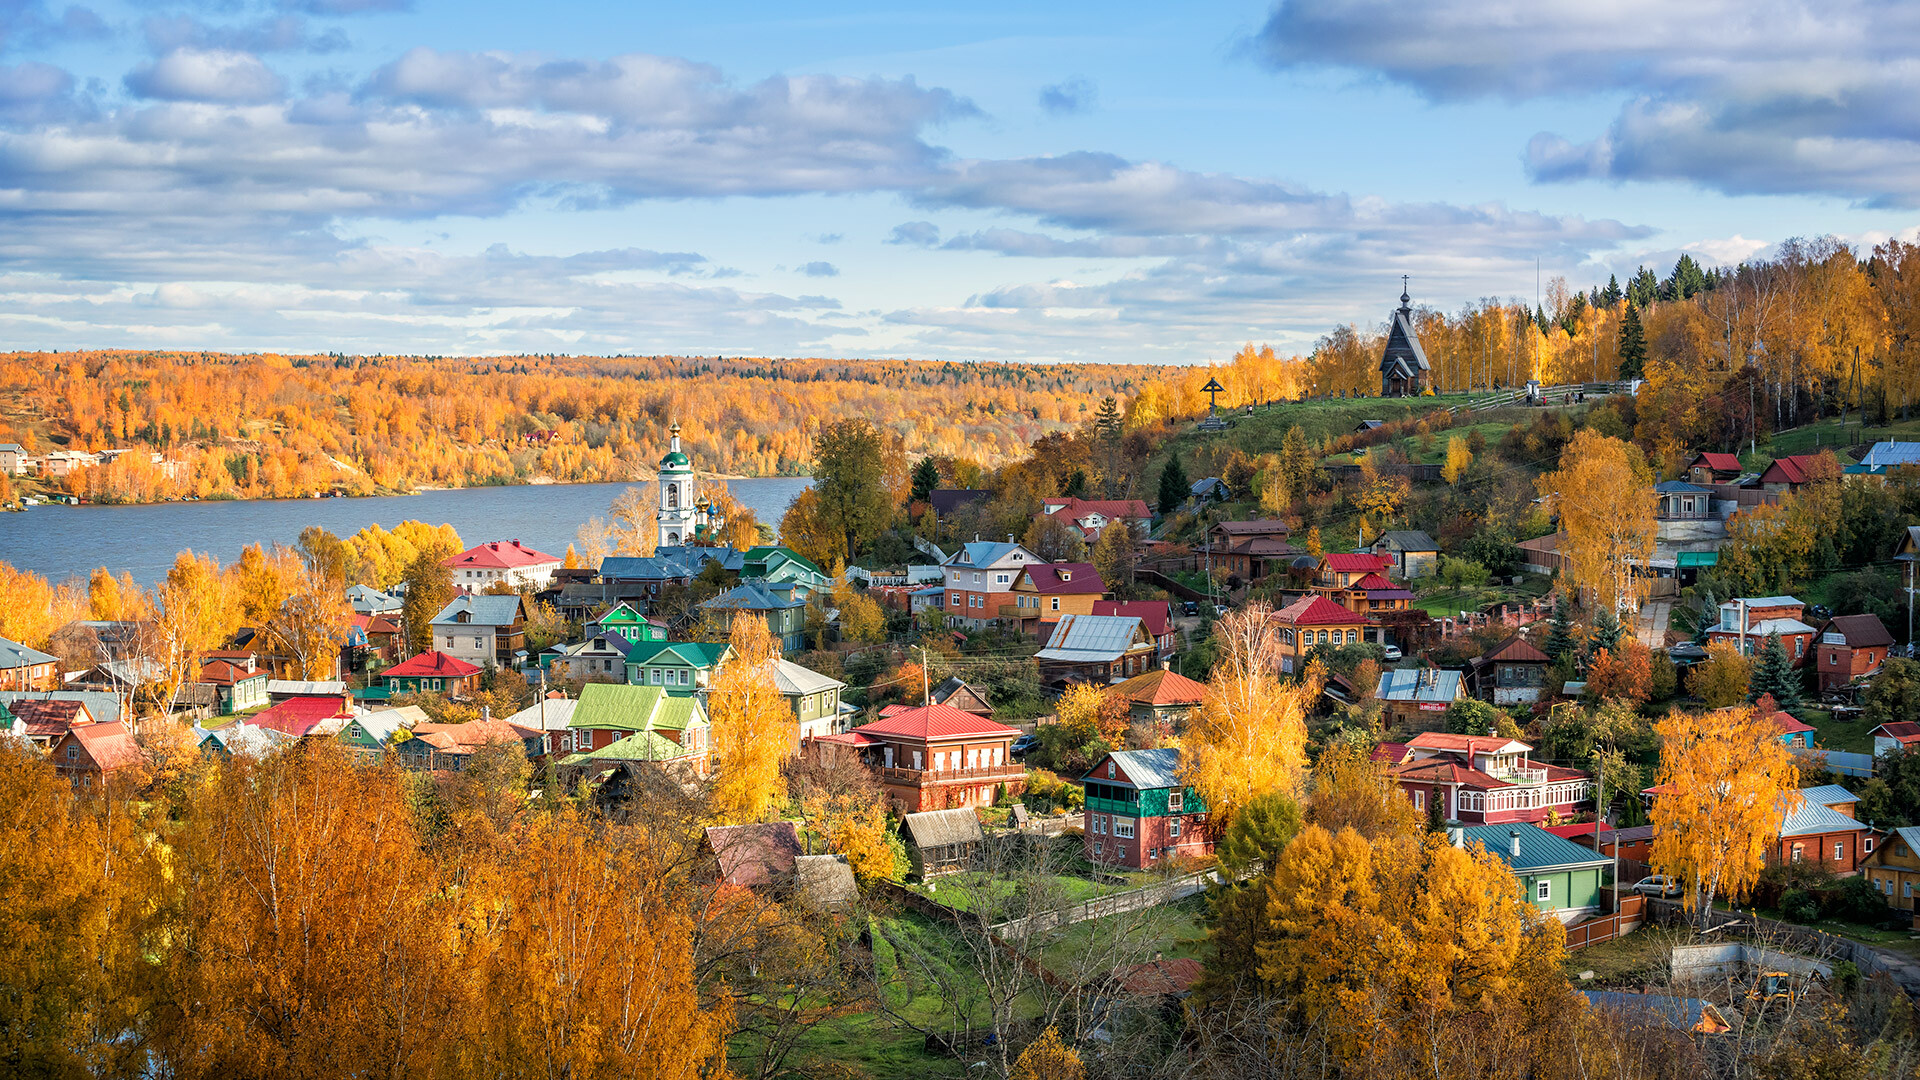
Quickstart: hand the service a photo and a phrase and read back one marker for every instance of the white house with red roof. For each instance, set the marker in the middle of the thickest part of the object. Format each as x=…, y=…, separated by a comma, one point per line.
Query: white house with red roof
x=502, y=560
x=1089, y=516
x=934, y=757
x=1899, y=735
x=1486, y=780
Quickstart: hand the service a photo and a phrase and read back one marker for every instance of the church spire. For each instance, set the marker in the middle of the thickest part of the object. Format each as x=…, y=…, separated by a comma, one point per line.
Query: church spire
x=1406, y=298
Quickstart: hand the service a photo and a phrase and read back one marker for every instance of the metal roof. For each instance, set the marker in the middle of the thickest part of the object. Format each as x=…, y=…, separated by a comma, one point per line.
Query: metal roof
x=1407, y=540
x=1539, y=849
x=481, y=610
x=15, y=655
x=1697, y=558
x=1805, y=817
x=983, y=553
x=1407, y=684
x=1766, y=601
x=1680, y=487
x=1144, y=768
x=1092, y=637
x=104, y=707
x=1828, y=794
x=791, y=678
x=1893, y=453
x=754, y=596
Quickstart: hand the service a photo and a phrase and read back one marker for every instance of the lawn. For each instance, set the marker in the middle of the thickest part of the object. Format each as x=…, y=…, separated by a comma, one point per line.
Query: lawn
x=1829, y=435
x=1175, y=931
x=1638, y=958
x=1847, y=736
x=963, y=890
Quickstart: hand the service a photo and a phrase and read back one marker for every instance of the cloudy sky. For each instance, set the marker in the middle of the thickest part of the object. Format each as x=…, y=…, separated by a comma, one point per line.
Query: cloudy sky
x=1069, y=181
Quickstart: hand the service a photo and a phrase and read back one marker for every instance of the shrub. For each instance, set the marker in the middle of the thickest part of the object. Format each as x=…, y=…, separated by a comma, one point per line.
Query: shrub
x=1798, y=905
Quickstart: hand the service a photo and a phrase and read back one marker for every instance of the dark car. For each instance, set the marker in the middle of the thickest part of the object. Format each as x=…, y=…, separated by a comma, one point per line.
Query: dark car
x=1023, y=746
x=1190, y=609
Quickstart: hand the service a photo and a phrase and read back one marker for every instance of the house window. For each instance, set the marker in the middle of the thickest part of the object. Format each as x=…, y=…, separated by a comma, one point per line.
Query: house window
x=1866, y=845
x=73, y=753
x=1000, y=579
x=1097, y=845
x=1109, y=770
x=1056, y=602
x=1840, y=852
x=976, y=578
x=1175, y=799
x=1799, y=851
x=1123, y=828
x=956, y=600
x=686, y=676
x=1543, y=892
x=1173, y=828
x=1799, y=646
x=916, y=759
x=1906, y=890
x=1419, y=800
x=479, y=643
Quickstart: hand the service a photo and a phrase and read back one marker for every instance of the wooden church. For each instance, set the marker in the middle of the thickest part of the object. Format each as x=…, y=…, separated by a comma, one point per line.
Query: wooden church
x=1403, y=363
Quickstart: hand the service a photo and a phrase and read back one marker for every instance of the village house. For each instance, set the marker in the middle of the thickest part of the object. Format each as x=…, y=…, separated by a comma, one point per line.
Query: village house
x=759, y=855
x=13, y=459
x=101, y=708
x=448, y=747
x=679, y=667
x=1205, y=491
x=1139, y=811
x=815, y=700
x=89, y=755
x=608, y=712
x=1371, y=594
x=1248, y=550
x=22, y=668
x=42, y=721
x=380, y=638
x=955, y=692
x=550, y=714
x=1633, y=844
x=601, y=656
x=496, y=561
x=1898, y=735
x=941, y=841
x=304, y=716
x=782, y=604
x=1161, y=698
x=625, y=621
x=1046, y=591
x=1511, y=673
x=1681, y=501
x=775, y=564
x=1756, y=618
x=1818, y=826
x=372, y=734
x=1792, y=472
x=978, y=580
x=1339, y=570
x=1418, y=697
x=1708, y=467
x=1851, y=647
x=641, y=580
x=366, y=600
x=237, y=682
x=1156, y=614
x=934, y=757
x=482, y=630
x=1792, y=731
x=1557, y=876
x=1088, y=517
x=1413, y=554
x=1313, y=621
x=1486, y=780
x=432, y=672
x=1893, y=867
x=1096, y=649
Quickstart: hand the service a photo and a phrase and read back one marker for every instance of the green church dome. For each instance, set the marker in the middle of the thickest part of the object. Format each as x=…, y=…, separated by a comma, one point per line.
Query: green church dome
x=675, y=460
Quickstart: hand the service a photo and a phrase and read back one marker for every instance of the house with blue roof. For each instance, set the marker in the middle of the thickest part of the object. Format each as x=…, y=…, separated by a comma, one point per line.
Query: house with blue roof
x=780, y=603
x=482, y=629
x=1817, y=825
x=1140, y=812
x=1556, y=875
x=978, y=581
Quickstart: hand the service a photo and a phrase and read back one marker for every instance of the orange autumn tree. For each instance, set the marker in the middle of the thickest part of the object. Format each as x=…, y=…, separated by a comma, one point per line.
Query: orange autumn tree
x=1624, y=673
x=1249, y=737
x=1724, y=781
x=753, y=727
x=1096, y=711
x=1603, y=496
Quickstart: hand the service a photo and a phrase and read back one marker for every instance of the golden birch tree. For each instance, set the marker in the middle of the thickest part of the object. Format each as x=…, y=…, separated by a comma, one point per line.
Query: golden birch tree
x=1722, y=680
x=1725, y=779
x=1459, y=456
x=753, y=727
x=193, y=611
x=1249, y=737
x=1603, y=494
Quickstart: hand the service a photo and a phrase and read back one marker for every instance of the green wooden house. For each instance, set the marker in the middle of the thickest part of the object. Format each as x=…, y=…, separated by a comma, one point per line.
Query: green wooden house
x=621, y=619
x=1139, y=812
x=774, y=564
x=815, y=699
x=1556, y=875
x=372, y=733
x=680, y=668
x=608, y=712
x=782, y=604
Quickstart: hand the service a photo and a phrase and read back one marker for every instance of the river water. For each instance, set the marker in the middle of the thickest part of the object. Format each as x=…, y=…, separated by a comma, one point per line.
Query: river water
x=59, y=542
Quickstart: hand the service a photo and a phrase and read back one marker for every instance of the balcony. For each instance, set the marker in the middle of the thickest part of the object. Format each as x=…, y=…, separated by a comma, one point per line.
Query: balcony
x=1015, y=611
x=923, y=777
x=1520, y=775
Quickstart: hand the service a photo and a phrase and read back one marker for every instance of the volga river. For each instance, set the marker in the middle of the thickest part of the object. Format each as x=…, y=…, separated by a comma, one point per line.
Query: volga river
x=65, y=541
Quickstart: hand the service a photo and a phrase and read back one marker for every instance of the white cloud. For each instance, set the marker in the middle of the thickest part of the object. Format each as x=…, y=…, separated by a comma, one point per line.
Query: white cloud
x=206, y=75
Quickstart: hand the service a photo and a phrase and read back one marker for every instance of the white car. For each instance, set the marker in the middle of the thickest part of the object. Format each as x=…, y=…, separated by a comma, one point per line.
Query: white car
x=1393, y=654
x=1657, y=885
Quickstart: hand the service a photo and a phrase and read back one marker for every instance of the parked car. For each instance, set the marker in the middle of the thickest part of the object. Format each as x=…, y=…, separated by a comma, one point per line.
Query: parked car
x=1393, y=654
x=1023, y=746
x=1190, y=609
x=1657, y=885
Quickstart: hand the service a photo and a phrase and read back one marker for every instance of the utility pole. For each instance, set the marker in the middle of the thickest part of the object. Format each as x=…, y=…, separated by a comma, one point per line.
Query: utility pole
x=925, y=691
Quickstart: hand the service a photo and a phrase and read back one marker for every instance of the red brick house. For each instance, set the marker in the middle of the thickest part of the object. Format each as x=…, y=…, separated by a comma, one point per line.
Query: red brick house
x=1850, y=647
x=1817, y=824
x=1486, y=780
x=935, y=757
x=1140, y=813
x=1760, y=617
x=91, y=754
x=1791, y=472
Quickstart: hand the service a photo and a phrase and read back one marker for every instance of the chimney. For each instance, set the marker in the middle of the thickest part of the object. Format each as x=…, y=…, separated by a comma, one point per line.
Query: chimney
x=1456, y=836
x=1009, y=538
x=1513, y=842
x=486, y=713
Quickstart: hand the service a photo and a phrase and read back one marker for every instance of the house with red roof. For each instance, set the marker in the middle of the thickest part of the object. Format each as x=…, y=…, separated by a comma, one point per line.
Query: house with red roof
x=432, y=672
x=311, y=714
x=1311, y=621
x=1486, y=780
x=1899, y=735
x=1369, y=594
x=1047, y=591
x=238, y=682
x=1789, y=473
x=934, y=757
x=1155, y=615
x=1162, y=698
x=44, y=721
x=1088, y=517
x=1792, y=732
x=90, y=754
x=1708, y=467
x=495, y=561
x=1850, y=647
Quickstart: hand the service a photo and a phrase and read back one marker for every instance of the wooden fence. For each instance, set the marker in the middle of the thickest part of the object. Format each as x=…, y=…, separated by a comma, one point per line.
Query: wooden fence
x=1629, y=917
x=1166, y=892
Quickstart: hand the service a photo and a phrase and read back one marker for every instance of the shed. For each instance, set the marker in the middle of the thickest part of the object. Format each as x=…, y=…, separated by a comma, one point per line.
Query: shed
x=825, y=882
x=941, y=841
x=755, y=855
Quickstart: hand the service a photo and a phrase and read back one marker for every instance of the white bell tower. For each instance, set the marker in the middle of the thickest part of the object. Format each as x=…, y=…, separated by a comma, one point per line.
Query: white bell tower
x=676, y=511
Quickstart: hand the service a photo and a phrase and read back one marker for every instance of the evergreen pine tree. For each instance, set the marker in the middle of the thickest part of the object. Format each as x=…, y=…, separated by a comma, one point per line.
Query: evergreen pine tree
x=1612, y=294
x=1644, y=289
x=1560, y=637
x=926, y=477
x=1173, y=485
x=1605, y=633
x=1774, y=674
x=1540, y=319
x=1685, y=281
x=1633, y=345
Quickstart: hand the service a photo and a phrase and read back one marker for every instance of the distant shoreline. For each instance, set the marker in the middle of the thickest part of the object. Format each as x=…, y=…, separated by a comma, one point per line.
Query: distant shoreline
x=423, y=489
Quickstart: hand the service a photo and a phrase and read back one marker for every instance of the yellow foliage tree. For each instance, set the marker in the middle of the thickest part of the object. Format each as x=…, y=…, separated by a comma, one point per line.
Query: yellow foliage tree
x=1459, y=456
x=1048, y=1058
x=1603, y=494
x=111, y=599
x=1725, y=781
x=1249, y=736
x=753, y=727
x=31, y=609
x=1095, y=710
x=855, y=825
x=1353, y=791
x=193, y=612
x=1722, y=680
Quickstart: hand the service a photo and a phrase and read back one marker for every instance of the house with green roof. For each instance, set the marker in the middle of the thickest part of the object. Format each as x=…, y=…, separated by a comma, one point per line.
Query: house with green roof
x=623, y=620
x=680, y=668
x=607, y=713
x=1556, y=875
x=777, y=564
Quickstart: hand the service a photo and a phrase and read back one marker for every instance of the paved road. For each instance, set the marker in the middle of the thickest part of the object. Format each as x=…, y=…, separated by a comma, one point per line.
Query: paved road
x=1650, y=626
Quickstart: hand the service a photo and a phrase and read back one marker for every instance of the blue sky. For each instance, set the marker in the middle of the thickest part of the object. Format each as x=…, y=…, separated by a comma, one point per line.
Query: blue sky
x=1123, y=182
